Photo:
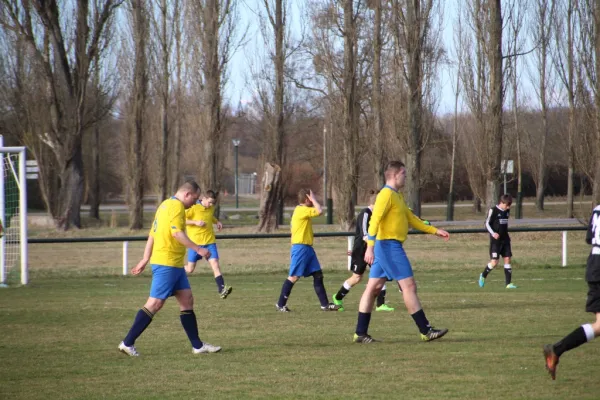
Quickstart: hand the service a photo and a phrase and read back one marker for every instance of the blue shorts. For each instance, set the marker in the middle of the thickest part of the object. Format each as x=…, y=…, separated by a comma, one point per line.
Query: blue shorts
x=303, y=260
x=390, y=261
x=167, y=280
x=192, y=256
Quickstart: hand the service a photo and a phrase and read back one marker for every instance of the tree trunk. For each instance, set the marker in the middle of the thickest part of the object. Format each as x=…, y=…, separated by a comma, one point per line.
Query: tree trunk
x=349, y=181
x=175, y=154
x=596, y=152
x=164, y=142
x=496, y=96
x=476, y=204
x=412, y=192
x=71, y=190
x=377, y=95
x=267, y=221
x=95, y=176
x=571, y=91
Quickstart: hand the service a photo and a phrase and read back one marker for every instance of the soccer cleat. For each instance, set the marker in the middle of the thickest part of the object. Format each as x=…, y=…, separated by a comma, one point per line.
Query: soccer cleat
x=225, y=292
x=206, y=348
x=384, y=307
x=481, y=280
x=551, y=360
x=282, y=309
x=330, y=307
x=364, y=339
x=129, y=350
x=433, y=334
x=339, y=303
x=511, y=286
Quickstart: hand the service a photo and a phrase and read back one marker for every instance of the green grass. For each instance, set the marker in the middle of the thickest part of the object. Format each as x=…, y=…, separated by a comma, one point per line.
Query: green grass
x=59, y=334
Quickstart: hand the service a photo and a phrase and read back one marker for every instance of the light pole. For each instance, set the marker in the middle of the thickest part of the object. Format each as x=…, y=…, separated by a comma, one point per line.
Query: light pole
x=236, y=144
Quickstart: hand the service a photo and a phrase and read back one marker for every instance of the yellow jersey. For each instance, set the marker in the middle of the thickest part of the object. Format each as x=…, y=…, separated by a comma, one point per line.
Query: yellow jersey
x=201, y=235
x=301, y=225
x=391, y=218
x=169, y=219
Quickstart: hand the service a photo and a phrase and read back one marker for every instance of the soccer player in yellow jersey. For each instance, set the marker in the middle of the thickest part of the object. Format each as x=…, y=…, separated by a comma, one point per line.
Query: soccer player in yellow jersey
x=165, y=250
x=304, y=261
x=388, y=229
x=199, y=220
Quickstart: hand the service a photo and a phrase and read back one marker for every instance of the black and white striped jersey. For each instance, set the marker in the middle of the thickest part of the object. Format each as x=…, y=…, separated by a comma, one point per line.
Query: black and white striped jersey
x=592, y=237
x=497, y=222
x=362, y=231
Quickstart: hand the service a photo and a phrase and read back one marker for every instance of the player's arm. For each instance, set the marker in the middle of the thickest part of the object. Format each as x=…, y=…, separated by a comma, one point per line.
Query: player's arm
x=146, y=258
x=380, y=209
x=316, y=205
x=418, y=223
x=215, y=221
x=194, y=222
x=177, y=223
x=488, y=224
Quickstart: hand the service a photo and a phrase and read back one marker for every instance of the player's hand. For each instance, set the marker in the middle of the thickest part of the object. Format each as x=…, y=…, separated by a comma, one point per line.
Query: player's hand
x=495, y=235
x=370, y=255
x=203, y=252
x=219, y=225
x=349, y=252
x=311, y=195
x=443, y=234
x=200, y=223
x=139, y=268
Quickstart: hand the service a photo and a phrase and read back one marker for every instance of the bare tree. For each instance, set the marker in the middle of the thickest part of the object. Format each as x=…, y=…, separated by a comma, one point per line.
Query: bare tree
x=565, y=64
x=416, y=45
x=135, y=126
x=541, y=32
x=214, y=23
x=377, y=95
x=177, y=135
x=67, y=73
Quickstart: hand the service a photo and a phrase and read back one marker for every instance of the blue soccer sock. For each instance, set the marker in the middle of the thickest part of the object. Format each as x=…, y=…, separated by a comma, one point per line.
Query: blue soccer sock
x=286, y=290
x=320, y=289
x=140, y=323
x=421, y=321
x=362, y=326
x=190, y=325
x=220, y=283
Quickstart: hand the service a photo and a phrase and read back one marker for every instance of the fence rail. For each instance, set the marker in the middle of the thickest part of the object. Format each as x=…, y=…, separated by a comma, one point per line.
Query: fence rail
x=350, y=235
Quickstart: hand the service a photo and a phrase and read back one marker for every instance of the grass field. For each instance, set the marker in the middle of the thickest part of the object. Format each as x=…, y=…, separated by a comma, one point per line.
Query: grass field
x=59, y=335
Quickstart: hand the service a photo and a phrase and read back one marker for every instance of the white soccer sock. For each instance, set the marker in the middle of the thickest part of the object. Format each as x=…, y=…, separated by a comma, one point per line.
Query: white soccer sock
x=490, y=266
x=347, y=286
x=383, y=288
x=589, y=332
x=506, y=266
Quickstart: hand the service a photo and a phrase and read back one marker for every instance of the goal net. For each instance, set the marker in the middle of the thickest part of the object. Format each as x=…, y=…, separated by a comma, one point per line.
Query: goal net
x=13, y=216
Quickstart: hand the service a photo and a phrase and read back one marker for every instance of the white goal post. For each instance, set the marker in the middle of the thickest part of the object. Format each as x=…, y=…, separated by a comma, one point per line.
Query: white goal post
x=13, y=214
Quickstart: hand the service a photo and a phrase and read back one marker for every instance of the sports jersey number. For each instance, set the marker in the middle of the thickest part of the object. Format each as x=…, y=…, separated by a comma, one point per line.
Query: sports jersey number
x=596, y=229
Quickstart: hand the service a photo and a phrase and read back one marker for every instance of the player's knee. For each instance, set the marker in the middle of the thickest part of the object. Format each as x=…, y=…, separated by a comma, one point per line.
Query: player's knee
x=409, y=286
x=318, y=275
x=154, y=305
x=293, y=279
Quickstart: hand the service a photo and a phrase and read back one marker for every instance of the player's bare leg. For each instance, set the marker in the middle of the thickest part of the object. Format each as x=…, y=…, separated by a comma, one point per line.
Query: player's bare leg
x=190, y=267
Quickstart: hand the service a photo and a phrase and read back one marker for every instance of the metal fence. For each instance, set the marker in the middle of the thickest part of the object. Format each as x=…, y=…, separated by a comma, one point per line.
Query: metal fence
x=350, y=235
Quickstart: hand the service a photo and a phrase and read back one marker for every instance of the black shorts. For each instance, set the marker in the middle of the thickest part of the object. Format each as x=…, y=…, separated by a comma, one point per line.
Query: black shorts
x=358, y=265
x=500, y=248
x=593, y=298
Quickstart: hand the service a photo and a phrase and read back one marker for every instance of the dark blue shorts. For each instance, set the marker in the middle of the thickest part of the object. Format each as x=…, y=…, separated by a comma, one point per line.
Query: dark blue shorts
x=303, y=260
x=167, y=280
x=391, y=261
x=192, y=256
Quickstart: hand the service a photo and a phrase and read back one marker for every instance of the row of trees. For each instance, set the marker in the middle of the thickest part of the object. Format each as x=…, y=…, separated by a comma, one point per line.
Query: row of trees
x=130, y=93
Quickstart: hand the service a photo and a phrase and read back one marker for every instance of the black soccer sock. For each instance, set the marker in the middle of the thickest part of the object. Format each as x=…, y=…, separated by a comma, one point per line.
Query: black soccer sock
x=344, y=290
x=507, y=274
x=286, y=289
x=421, y=321
x=220, y=283
x=579, y=336
x=140, y=323
x=487, y=270
x=362, y=326
x=320, y=289
x=190, y=325
x=381, y=298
